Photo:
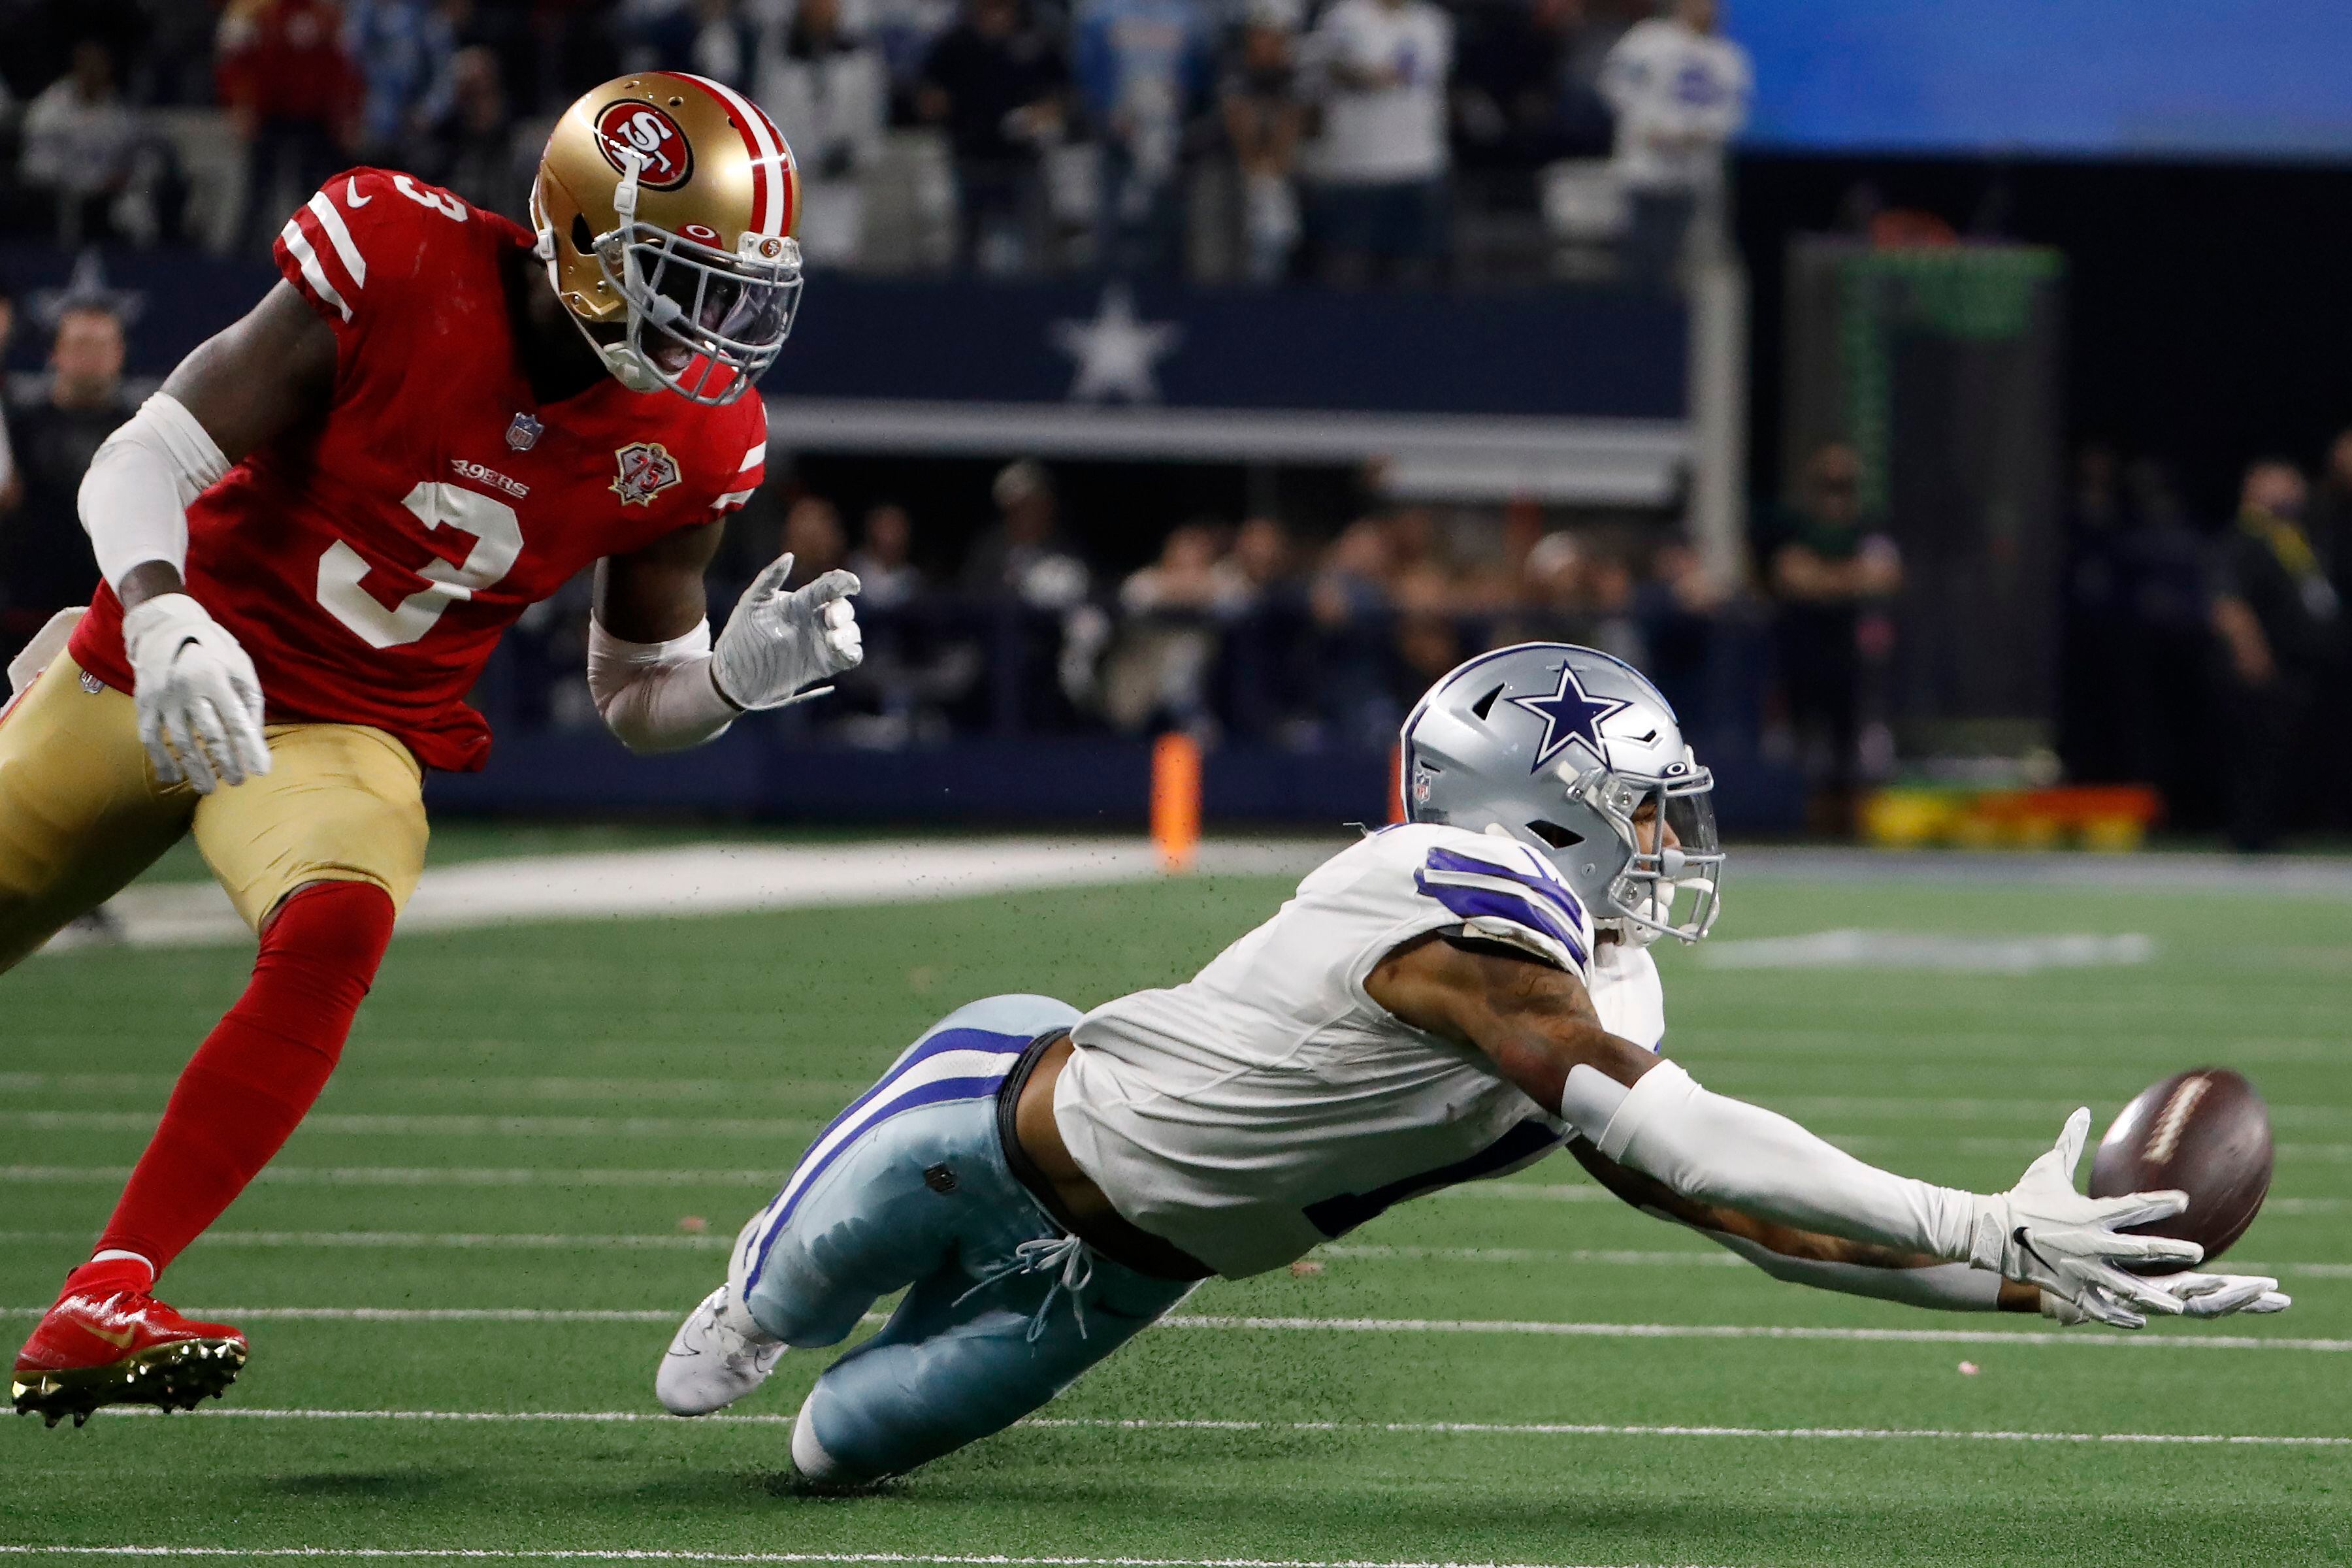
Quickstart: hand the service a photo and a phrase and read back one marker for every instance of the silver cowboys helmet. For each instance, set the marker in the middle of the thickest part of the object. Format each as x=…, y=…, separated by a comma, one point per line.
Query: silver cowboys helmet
x=1577, y=754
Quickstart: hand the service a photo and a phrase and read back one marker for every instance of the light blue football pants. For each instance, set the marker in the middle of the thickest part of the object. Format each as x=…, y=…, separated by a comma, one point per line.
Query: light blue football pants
x=908, y=1189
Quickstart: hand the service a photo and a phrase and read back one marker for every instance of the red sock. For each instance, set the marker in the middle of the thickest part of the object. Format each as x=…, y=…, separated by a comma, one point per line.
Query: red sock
x=256, y=1073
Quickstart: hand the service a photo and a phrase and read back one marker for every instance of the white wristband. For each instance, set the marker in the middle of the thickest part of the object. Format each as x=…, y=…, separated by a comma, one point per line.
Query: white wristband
x=135, y=496
x=657, y=697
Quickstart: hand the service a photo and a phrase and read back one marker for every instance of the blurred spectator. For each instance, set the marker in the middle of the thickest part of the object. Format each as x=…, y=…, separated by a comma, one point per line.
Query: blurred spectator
x=1353, y=684
x=87, y=147
x=1678, y=610
x=1140, y=67
x=1023, y=554
x=1511, y=89
x=904, y=30
x=2277, y=617
x=813, y=537
x=996, y=80
x=2331, y=515
x=293, y=96
x=1380, y=161
x=885, y=560
x=1259, y=676
x=404, y=48
x=709, y=37
x=1827, y=566
x=1680, y=92
x=44, y=559
x=1264, y=116
x=472, y=148
x=1159, y=672
x=829, y=93
x=1260, y=561
x=2099, y=714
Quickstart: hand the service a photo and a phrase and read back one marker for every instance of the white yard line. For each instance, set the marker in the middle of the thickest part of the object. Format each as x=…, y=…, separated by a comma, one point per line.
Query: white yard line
x=727, y=878
x=1404, y=1428
x=2188, y=1340
x=1742, y=1331
x=1930, y=952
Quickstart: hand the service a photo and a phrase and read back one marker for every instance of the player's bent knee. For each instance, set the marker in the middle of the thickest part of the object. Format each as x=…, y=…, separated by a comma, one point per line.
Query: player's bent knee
x=329, y=938
x=1014, y=1012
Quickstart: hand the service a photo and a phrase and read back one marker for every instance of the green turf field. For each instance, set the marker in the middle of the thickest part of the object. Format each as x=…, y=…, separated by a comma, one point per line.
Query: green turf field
x=595, y=1092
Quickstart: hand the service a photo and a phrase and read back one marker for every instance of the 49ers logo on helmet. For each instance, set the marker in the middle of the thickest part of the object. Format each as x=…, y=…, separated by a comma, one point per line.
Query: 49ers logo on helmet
x=629, y=126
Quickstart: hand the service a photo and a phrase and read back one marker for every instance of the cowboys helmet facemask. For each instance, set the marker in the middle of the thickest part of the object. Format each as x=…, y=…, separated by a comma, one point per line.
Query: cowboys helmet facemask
x=1561, y=748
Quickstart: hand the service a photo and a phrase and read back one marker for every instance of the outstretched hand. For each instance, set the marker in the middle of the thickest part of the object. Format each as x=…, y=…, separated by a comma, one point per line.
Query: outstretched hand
x=2042, y=1232
x=777, y=641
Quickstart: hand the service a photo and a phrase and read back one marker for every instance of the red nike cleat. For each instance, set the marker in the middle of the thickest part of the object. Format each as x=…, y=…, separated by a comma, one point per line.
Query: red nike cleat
x=107, y=1342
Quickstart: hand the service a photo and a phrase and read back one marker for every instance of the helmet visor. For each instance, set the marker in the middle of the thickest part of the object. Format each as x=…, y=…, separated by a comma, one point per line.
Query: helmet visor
x=709, y=323
x=1671, y=880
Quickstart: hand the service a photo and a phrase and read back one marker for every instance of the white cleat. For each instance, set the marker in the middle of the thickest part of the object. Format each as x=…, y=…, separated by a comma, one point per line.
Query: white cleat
x=717, y=1356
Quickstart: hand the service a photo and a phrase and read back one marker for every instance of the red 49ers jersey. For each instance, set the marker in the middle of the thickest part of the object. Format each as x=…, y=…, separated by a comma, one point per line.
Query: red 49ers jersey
x=369, y=563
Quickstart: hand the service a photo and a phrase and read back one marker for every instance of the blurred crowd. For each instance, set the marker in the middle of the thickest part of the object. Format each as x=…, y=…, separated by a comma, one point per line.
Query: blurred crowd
x=1346, y=139
x=2209, y=657
x=2213, y=661
x=1245, y=629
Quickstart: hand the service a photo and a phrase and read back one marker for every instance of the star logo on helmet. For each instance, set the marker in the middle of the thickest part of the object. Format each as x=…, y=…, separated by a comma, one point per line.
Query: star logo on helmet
x=1570, y=713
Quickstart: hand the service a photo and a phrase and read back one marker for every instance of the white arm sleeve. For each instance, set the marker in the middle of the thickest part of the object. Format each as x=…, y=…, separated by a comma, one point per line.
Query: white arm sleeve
x=1947, y=1286
x=1713, y=1149
x=136, y=493
x=657, y=697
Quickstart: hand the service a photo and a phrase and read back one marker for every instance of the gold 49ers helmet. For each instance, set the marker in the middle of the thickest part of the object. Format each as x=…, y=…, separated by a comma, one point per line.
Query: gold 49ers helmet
x=664, y=207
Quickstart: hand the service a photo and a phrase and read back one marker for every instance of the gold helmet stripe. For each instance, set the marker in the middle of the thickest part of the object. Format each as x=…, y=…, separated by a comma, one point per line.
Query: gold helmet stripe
x=771, y=211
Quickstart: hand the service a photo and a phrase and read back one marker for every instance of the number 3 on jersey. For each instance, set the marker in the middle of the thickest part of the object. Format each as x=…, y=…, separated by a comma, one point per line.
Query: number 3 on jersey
x=489, y=523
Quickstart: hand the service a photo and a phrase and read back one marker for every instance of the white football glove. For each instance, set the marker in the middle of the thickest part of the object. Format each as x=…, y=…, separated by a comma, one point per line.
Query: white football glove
x=2200, y=1296
x=777, y=642
x=2042, y=1232
x=200, y=709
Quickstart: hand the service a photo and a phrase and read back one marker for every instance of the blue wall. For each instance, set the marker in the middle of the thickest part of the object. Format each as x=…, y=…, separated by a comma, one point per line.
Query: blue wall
x=2253, y=78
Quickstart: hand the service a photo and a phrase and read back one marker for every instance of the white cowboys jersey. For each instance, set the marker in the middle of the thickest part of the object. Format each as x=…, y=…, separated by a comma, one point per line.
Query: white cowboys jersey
x=1269, y=1104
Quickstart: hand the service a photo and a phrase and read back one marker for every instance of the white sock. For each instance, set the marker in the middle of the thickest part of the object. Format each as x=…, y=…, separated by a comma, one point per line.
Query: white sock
x=113, y=1253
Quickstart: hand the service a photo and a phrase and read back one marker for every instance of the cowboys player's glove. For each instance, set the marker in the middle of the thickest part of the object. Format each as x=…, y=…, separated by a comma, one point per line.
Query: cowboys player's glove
x=777, y=642
x=200, y=711
x=2199, y=1295
x=2042, y=1232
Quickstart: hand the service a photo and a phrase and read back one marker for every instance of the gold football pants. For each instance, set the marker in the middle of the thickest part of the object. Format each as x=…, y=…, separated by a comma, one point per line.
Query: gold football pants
x=81, y=813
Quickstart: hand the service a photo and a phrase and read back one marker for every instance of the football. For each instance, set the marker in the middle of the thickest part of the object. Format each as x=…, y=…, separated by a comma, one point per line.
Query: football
x=2205, y=1131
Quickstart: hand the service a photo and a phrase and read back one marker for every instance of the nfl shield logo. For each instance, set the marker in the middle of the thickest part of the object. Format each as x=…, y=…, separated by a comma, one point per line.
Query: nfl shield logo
x=523, y=434
x=646, y=470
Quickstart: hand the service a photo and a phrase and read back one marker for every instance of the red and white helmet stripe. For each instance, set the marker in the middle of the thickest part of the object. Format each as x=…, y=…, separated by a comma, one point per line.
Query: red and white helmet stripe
x=772, y=186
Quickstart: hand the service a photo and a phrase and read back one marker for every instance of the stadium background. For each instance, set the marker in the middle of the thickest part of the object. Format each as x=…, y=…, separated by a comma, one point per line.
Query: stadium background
x=1983, y=247
x=1276, y=491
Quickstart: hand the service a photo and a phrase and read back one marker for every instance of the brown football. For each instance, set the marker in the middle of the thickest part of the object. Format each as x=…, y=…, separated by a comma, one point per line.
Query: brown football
x=2205, y=1131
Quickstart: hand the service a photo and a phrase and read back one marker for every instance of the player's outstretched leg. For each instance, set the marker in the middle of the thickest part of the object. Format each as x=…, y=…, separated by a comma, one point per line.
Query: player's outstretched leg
x=108, y=1341
x=906, y=1180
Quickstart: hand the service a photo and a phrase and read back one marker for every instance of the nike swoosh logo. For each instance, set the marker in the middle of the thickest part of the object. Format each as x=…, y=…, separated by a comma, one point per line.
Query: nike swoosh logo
x=351, y=196
x=120, y=1340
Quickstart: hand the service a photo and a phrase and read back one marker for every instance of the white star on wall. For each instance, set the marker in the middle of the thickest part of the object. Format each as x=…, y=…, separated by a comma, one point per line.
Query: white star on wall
x=1116, y=352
